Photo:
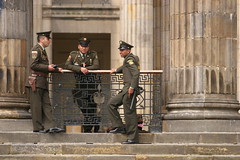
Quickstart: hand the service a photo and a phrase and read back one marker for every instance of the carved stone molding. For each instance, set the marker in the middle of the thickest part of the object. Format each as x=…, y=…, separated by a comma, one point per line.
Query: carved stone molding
x=81, y=13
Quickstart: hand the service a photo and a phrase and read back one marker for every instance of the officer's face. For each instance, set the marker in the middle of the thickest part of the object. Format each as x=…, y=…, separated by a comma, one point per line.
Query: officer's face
x=45, y=41
x=83, y=49
x=124, y=52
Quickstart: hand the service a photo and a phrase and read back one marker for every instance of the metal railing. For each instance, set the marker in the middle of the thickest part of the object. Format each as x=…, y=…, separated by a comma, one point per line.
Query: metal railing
x=71, y=94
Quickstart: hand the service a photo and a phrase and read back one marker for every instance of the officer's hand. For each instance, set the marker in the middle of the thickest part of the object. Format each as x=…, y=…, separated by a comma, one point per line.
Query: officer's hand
x=50, y=67
x=84, y=70
x=130, y=92
x=113, y=70
x=60, y=70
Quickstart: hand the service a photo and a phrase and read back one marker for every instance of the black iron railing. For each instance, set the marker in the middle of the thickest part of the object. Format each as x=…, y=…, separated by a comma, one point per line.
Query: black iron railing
x=71, y=95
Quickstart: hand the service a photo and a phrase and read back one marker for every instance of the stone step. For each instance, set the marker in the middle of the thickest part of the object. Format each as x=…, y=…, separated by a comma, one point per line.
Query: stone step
x=119, y=157
x=173, y=137
x=119, y=149
x=16, y=125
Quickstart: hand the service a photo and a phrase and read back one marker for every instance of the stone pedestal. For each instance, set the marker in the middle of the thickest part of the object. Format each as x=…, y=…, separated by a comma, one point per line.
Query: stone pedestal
x=203, y=66
x=14, y=33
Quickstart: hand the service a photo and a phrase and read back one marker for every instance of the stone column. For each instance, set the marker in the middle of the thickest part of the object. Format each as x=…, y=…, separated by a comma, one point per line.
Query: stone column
x=37, y=19
x=41, y=23
x=238, y=50
x=137, y=29
x=15, y=31
x=203, y=69
x=162, y=46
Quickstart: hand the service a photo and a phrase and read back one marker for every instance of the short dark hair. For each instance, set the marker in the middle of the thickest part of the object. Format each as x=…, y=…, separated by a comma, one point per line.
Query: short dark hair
x=39, y=37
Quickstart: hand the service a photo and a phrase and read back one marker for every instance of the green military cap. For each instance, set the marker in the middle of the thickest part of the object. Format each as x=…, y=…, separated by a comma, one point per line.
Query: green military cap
x=46, y=34
x=124, y=45
x=84, y=42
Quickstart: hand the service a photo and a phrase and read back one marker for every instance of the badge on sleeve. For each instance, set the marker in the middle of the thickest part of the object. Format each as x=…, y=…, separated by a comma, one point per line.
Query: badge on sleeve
x=34, y=54
x=130, y=62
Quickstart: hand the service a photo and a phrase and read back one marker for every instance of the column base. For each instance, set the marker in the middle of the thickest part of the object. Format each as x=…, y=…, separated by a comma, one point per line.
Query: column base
x=14, y=108
x=201, y=126
x=202, y=113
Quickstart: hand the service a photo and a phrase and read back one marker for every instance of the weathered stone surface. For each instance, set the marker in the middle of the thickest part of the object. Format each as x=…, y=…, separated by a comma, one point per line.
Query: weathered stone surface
x=36, y=149
x=201, y=125
x=202, y=46
x=137, y=28
x=15, y=42
x=106, y=138
x=164, y=146
x=16, y=124
x=119, y=149
x=118, y=157
x=199, y=138
x=30, y=137
x=5, y=149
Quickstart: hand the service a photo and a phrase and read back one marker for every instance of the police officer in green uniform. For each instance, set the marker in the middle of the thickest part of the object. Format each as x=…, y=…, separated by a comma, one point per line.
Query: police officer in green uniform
x=86, y=83
x=131, y=72
x=41, y=109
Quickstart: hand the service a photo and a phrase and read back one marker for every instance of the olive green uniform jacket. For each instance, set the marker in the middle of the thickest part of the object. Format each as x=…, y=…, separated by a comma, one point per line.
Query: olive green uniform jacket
x=75, y=61
x=131, y=72
x=39, y=63
x=39, y=100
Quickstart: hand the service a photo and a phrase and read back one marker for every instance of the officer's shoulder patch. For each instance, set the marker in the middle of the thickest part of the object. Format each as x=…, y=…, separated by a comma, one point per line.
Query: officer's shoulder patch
x=34, y=54
x=130, y=61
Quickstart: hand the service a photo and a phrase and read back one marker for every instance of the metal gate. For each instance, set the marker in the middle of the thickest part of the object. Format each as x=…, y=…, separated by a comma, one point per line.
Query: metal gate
x=82, y=99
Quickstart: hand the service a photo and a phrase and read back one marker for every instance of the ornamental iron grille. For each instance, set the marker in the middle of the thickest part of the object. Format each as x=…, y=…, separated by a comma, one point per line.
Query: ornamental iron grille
x=80, y=99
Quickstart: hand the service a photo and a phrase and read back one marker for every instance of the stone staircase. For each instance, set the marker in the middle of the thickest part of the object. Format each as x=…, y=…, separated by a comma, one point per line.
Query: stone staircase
x=26, y=145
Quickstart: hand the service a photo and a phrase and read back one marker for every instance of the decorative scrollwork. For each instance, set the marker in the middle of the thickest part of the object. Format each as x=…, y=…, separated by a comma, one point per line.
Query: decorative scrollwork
x=66, y=105
x=117, y=78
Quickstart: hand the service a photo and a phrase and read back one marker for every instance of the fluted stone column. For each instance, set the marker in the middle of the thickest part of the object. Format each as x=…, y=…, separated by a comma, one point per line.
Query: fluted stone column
x=41, y=23
x=14, y=37
x=238, y=50
x=137, y=29
x=162, y=46
x=203, y=70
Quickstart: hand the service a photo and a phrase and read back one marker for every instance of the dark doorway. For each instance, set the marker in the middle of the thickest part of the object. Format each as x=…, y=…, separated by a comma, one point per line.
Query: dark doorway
x=64, y=43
